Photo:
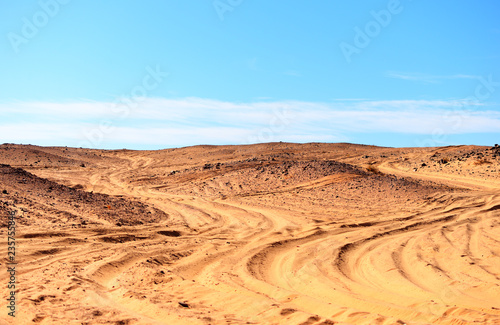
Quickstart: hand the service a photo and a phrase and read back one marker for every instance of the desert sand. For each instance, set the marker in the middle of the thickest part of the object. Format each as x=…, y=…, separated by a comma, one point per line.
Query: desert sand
x=275, y=233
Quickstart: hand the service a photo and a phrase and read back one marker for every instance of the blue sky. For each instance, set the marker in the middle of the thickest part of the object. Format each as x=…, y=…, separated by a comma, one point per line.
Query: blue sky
x=159, y=74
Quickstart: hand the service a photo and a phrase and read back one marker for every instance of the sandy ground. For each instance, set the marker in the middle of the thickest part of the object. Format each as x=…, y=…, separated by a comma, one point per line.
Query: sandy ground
x=273, y=233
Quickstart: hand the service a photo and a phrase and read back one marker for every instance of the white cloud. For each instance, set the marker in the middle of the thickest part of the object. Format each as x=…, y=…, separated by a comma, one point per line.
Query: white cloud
x=159, y=122
x=428, y=78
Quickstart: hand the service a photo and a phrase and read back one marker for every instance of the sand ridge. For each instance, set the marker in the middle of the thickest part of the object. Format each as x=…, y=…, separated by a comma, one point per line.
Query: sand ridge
x=275, y=233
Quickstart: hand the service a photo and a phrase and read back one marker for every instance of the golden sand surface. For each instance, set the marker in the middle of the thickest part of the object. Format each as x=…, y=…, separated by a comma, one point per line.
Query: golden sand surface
x=275, y=233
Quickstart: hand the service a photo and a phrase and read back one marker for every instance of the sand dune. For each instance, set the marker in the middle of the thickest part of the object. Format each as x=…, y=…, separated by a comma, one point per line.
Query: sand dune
x=273, y=233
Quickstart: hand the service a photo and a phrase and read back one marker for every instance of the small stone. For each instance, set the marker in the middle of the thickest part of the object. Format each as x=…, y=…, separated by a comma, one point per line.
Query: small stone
x=183, y=304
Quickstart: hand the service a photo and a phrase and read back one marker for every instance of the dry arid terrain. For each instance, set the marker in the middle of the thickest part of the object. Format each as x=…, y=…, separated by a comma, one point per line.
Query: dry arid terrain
x=274, y=233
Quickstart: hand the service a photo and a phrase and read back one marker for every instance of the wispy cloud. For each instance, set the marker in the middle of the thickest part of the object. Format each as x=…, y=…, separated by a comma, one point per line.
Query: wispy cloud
x=350, y=99
x=160, y=122
x=252, y=64
x=428, y=78
x=293, y=73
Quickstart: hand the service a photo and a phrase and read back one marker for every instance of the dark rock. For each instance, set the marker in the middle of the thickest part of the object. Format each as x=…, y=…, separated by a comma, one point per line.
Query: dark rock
x=443, y=161
x=170, y=233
